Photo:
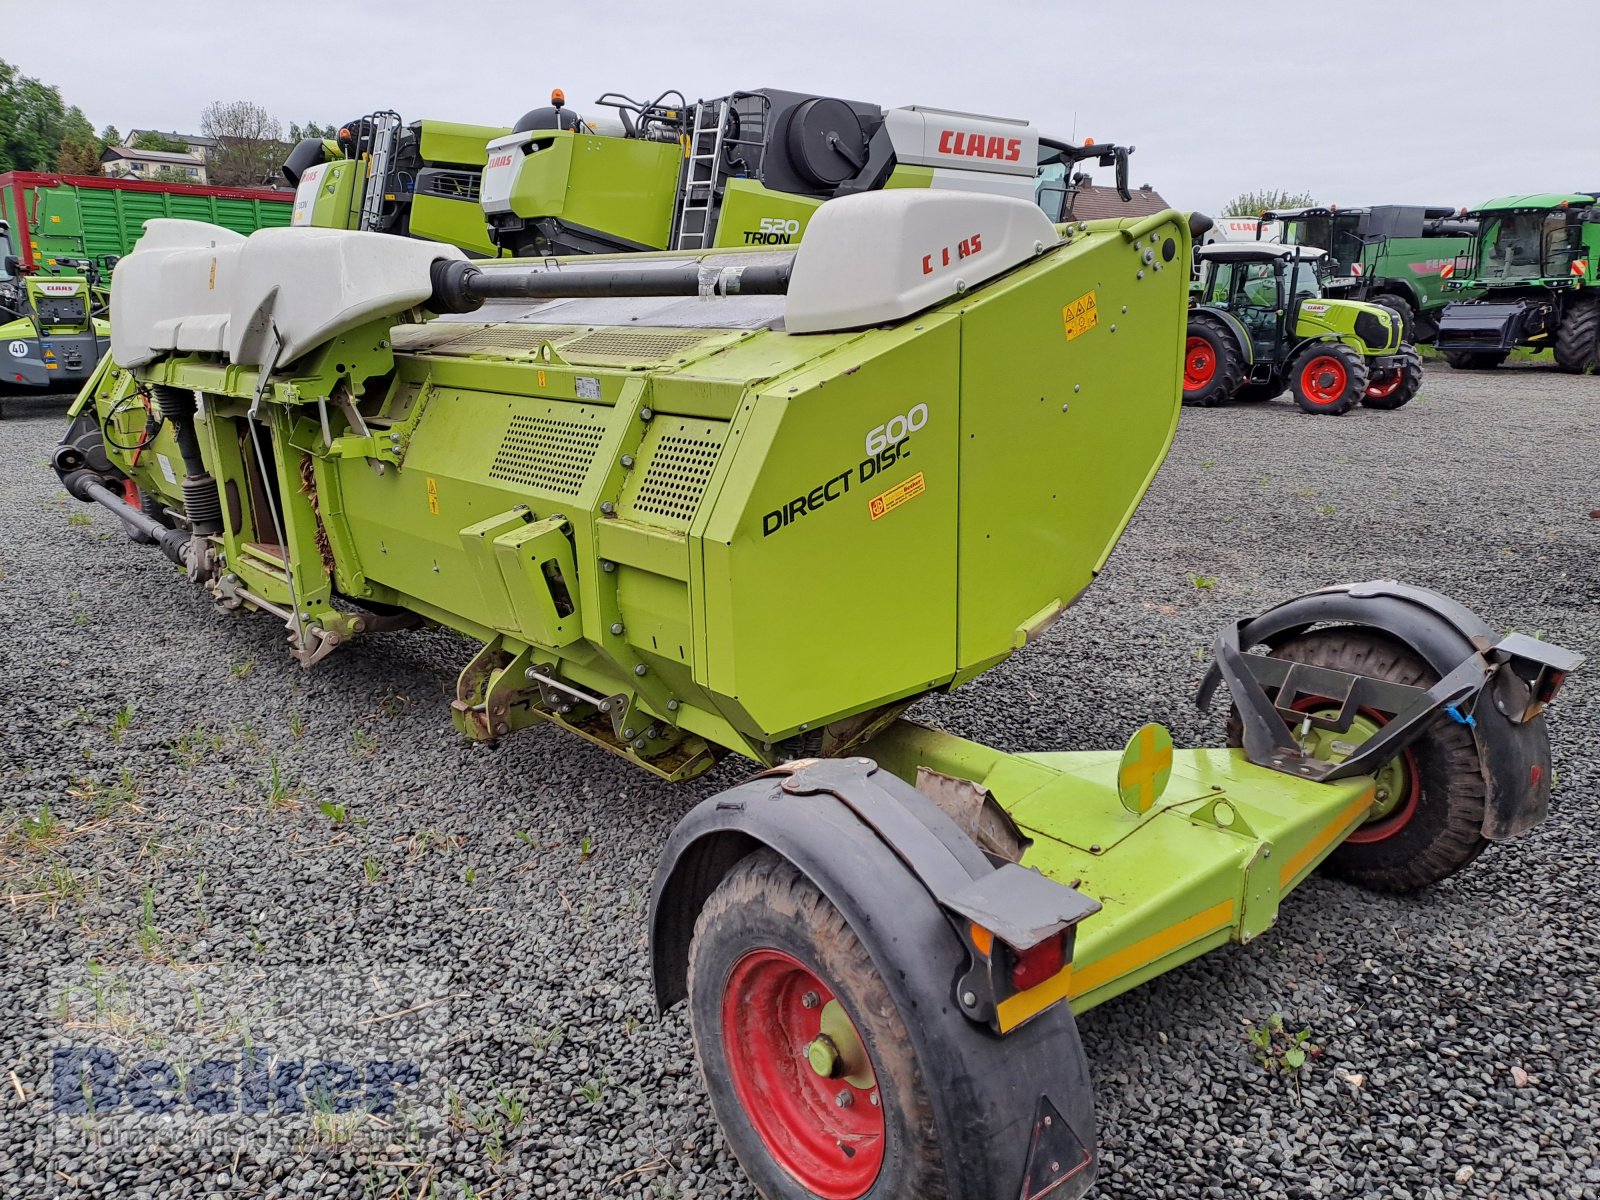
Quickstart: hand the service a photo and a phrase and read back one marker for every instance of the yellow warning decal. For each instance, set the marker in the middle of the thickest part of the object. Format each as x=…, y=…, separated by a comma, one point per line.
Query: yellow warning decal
x=907, y=489
x=1082, y=315
x=433, y=496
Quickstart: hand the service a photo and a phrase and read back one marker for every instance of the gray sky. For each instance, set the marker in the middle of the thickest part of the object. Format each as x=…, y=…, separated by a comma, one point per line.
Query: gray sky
x=1356, y=101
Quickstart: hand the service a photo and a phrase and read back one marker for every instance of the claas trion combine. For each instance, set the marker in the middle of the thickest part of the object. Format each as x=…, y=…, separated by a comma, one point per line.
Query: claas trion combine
x=758, y=502
x=746, y=169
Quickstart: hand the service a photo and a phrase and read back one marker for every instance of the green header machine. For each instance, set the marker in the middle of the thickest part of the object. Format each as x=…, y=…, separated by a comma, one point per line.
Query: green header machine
x=1396, y=255
x=1535, y=268
x=758, y=501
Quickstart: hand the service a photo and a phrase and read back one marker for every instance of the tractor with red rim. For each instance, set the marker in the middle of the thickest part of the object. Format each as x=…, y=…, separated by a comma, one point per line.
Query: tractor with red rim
x=1260, y=325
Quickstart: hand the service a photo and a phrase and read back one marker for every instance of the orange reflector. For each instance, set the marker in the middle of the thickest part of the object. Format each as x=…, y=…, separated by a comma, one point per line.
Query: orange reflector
x=982, y=939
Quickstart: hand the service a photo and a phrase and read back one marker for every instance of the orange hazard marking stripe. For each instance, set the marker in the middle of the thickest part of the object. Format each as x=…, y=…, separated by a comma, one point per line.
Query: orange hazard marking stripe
x=1151, y=949
x=1335, y=829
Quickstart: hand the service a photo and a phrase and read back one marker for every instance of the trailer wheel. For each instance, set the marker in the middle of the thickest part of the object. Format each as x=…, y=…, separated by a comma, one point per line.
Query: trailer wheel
x=1212, y=365
x=1328, y=378
x=1475, y=360
x=1427, y=821
x=1394, y=386
x=1578, y=338
x=1404, y=313
x=807, y=1061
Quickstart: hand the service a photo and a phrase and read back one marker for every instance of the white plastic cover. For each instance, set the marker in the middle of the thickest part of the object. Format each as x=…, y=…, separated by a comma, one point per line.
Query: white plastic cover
x=193, y=287
x=881, y=256
x=936, y=137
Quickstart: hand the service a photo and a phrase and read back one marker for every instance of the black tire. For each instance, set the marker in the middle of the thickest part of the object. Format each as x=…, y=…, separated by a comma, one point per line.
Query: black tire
x=1401, y=307
x=766, y=905
x=1213, y=368
x=1256, y=393
x=1443, y=831
x=1475, y=360
x=1328, y=378
x=1578, y=340
x=1395, y=386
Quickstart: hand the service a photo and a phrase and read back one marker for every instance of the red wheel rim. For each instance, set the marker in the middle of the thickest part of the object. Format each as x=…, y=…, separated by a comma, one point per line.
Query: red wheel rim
x=1388, y=385
x=771, y=1006
x=1324, y=379
x=1199, y=364
x=1383, y=827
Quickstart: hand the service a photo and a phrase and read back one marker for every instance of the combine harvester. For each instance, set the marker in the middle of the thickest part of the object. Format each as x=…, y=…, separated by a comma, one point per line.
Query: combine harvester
x=1396, y=255
x=760, y=501
x=746, y=169
x=1531, y=279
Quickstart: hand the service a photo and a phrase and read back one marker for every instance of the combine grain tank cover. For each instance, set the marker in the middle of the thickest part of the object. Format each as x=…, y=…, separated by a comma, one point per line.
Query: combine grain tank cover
x=880, y=256
x=189, y=287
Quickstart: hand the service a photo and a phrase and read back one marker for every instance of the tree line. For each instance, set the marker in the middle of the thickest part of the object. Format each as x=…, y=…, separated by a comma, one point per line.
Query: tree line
x=40, y=131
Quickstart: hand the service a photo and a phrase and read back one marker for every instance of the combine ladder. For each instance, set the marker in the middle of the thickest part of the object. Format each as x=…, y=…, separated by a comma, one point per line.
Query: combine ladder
x=705, y=163
x=380, y=151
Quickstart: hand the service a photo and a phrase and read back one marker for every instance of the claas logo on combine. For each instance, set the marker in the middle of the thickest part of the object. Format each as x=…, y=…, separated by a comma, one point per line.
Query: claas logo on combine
x=499, y=160
x=978, y=145
x=965, y=248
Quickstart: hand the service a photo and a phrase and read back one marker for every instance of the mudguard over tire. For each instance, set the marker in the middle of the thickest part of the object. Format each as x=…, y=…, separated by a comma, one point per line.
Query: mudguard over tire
x=1577, y=346
x=1213, y=367
x=964, y=1112
x=1401, y=629
x=1427, y=820
x=1328, y=378
x=1392, y=387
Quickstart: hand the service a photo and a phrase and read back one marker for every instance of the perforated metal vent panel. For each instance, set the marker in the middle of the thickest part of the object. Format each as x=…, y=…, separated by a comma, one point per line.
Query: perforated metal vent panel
x=548, y=453
x=626, y=345
x=678, y=457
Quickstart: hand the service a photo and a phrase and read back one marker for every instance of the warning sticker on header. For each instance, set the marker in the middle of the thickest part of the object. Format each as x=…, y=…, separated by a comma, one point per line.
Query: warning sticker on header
x=908, y=489
x=1080, y=316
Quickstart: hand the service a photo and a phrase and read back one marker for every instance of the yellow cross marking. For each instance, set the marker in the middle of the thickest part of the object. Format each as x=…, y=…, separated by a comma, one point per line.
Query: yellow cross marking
x=1141, y=770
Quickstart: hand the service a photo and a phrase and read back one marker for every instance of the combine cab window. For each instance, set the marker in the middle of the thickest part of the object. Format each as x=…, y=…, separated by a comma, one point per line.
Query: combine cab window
x=1337, y=235
x=5, y=252
x=1050, y=190
x=1310, y=231
x=1525, y=246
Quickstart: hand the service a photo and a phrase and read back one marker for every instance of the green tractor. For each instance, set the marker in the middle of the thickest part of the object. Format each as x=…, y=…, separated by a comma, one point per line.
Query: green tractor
x=1260, y=324
x=756, y=502
x=1395, y=255
x=1536, y=260
x=52, y=332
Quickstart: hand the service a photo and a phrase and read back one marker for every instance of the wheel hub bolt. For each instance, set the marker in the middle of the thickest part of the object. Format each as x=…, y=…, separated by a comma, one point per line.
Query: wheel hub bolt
x=1383, y=794
x=811, y=1000
x=875, y=1100
x=844, y=1099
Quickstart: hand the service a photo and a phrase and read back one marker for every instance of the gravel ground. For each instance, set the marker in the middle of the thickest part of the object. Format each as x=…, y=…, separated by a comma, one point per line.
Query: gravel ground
x=189, y=820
